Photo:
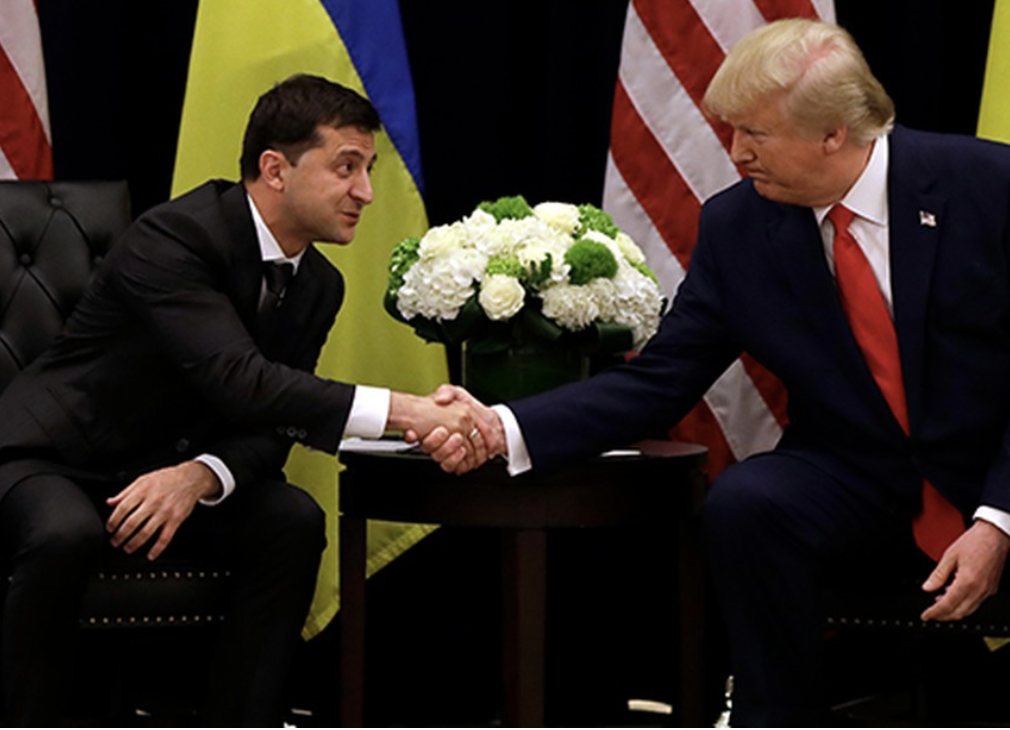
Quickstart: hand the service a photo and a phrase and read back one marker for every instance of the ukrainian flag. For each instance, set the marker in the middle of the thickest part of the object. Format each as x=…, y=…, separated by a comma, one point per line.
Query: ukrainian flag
x=994, y=114
x=241, y=49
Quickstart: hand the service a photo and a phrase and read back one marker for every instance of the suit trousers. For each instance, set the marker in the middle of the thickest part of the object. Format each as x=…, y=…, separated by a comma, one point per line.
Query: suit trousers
x=779, y=529
x=269, y=533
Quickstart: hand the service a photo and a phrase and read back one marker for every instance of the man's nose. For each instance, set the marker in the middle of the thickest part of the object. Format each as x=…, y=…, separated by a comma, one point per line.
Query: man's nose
x=362, y=189
x=740, y=150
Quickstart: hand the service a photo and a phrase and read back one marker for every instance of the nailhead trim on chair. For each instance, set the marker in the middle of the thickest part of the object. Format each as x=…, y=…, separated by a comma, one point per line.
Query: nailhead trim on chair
x=951, y=627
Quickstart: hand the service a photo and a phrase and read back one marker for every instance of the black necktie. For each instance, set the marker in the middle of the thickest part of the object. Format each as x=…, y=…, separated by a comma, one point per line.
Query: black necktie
x=278, y=275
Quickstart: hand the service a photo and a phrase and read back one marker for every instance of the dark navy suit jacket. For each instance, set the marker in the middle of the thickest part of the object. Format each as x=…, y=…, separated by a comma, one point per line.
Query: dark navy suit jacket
x=759, y=282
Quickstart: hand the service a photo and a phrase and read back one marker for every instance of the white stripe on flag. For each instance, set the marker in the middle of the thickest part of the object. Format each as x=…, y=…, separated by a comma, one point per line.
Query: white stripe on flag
x=21, y=40
x=728, y=27
x=6, y=169
x=672, y=116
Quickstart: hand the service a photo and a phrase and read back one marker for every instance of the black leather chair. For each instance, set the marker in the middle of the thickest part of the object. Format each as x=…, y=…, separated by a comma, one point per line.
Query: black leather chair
x=52, y=237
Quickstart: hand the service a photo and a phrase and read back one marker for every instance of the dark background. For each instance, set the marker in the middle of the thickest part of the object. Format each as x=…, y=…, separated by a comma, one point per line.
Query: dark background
x=512, y=96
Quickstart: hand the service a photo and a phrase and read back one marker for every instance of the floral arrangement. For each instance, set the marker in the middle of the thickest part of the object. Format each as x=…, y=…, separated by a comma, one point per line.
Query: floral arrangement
x=510, y=271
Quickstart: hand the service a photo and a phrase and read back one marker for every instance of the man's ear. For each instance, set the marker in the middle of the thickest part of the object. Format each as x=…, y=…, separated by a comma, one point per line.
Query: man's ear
x=273, y=165
x=834, y=140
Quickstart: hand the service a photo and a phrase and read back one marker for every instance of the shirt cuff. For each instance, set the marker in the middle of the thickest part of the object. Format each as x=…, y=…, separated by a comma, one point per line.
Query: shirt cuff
x=223, y=474
x=369, y=412
x=519, y=460
x=994, y=516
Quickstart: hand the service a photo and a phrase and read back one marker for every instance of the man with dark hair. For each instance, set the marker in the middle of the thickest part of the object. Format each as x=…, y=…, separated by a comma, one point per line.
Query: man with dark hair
x=162, y=416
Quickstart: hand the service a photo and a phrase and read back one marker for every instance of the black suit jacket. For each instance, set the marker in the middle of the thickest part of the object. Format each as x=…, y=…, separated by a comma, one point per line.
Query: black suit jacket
x=159, y=361
x=758, y=282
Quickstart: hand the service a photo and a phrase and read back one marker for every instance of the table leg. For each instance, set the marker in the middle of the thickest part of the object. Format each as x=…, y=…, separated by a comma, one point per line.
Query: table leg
x=352, y=621
x=525, y=576
x=692, y=626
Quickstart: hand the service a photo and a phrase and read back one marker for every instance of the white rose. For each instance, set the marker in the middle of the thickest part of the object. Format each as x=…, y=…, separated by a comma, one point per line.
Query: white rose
x=629, y=248
x=441, y=241
x=501, y=296
x=562, y=216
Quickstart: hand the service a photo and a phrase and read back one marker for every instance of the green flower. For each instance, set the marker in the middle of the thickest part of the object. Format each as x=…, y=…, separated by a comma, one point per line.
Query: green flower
x=403, y=257
x=592, y=218
x=507, y=265
x=590, y=260
x=507, y=207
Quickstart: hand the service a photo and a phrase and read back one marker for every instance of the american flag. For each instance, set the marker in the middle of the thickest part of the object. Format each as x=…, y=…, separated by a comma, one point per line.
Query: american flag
x=25, y=149
x=666, y=158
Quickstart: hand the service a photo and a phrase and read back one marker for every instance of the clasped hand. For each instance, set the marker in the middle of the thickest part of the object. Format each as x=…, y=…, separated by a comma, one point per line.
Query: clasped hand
x=457, y=430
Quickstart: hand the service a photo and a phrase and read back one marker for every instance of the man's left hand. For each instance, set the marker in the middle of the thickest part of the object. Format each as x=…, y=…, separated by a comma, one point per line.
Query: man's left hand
x=157, y=503
x=973, y=566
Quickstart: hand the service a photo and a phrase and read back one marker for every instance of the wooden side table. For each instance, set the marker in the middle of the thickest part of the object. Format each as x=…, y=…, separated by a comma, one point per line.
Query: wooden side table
x=660, y=484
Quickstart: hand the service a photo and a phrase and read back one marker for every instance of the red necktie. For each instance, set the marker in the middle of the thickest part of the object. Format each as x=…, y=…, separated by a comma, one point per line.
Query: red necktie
x=939, y=523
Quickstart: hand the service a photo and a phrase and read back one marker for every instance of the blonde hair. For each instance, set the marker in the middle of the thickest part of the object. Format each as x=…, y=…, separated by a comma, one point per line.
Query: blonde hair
x=815, y=68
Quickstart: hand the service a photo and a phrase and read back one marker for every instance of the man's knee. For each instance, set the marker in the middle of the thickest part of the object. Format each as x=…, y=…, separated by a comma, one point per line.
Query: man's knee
x=62, y=542
x=295, y=519
x=736, y=500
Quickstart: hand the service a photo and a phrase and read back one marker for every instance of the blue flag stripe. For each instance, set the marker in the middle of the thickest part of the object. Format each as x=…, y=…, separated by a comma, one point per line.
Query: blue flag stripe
x=373, y=34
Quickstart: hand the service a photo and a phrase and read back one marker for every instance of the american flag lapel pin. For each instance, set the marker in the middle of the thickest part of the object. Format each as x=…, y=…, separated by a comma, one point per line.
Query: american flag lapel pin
x=927, y=219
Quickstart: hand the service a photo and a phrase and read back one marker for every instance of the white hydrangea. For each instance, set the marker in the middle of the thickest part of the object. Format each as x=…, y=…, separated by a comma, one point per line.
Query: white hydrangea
x=562, y=216
x=572, y=307
x=501, y=296
x=438, y=288
x=637, y=303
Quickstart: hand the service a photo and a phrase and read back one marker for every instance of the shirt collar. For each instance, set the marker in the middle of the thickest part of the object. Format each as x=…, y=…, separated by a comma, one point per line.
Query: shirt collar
x=867, y=198
x=270, y=250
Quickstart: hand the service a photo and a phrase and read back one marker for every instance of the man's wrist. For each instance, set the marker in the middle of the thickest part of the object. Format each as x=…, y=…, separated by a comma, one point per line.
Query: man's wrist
x=996, y=517
x=222, y=481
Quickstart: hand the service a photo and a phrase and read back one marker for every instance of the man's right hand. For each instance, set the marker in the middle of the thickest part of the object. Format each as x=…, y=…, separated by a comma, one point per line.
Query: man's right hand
x=450, y=449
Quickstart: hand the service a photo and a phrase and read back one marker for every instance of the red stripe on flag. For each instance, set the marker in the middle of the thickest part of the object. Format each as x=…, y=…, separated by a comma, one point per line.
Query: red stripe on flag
x=701, y=427
x=22, y=137
x=775, y=9
x=655, y=182
x=687, y=45
x=772, y=392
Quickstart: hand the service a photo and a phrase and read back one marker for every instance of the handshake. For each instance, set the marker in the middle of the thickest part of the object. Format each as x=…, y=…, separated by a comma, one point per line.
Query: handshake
x=456, y=429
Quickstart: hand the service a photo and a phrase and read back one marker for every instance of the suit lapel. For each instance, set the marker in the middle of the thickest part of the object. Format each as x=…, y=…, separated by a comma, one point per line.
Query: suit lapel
x=794, y=233
x=246, y=271
x=916, y=218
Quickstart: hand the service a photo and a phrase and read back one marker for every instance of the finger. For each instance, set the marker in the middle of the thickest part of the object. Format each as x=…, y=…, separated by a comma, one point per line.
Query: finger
x=455, y=463
x=449, y=446
x=121, y=513
x=445, y=394
x=479, y=447
x=435, y=440
x=168, y=531
x=941, y=574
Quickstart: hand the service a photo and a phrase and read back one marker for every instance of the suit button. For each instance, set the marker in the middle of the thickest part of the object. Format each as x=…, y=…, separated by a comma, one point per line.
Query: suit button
x=292, y=431
x=182, y=445
x=302, y=434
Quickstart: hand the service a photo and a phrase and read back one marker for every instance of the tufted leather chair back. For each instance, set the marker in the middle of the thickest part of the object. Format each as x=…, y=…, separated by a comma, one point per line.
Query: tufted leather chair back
x=52, y=236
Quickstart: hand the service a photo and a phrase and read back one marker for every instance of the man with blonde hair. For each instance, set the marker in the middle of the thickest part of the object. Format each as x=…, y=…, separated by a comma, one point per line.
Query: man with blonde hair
x=868, y=266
